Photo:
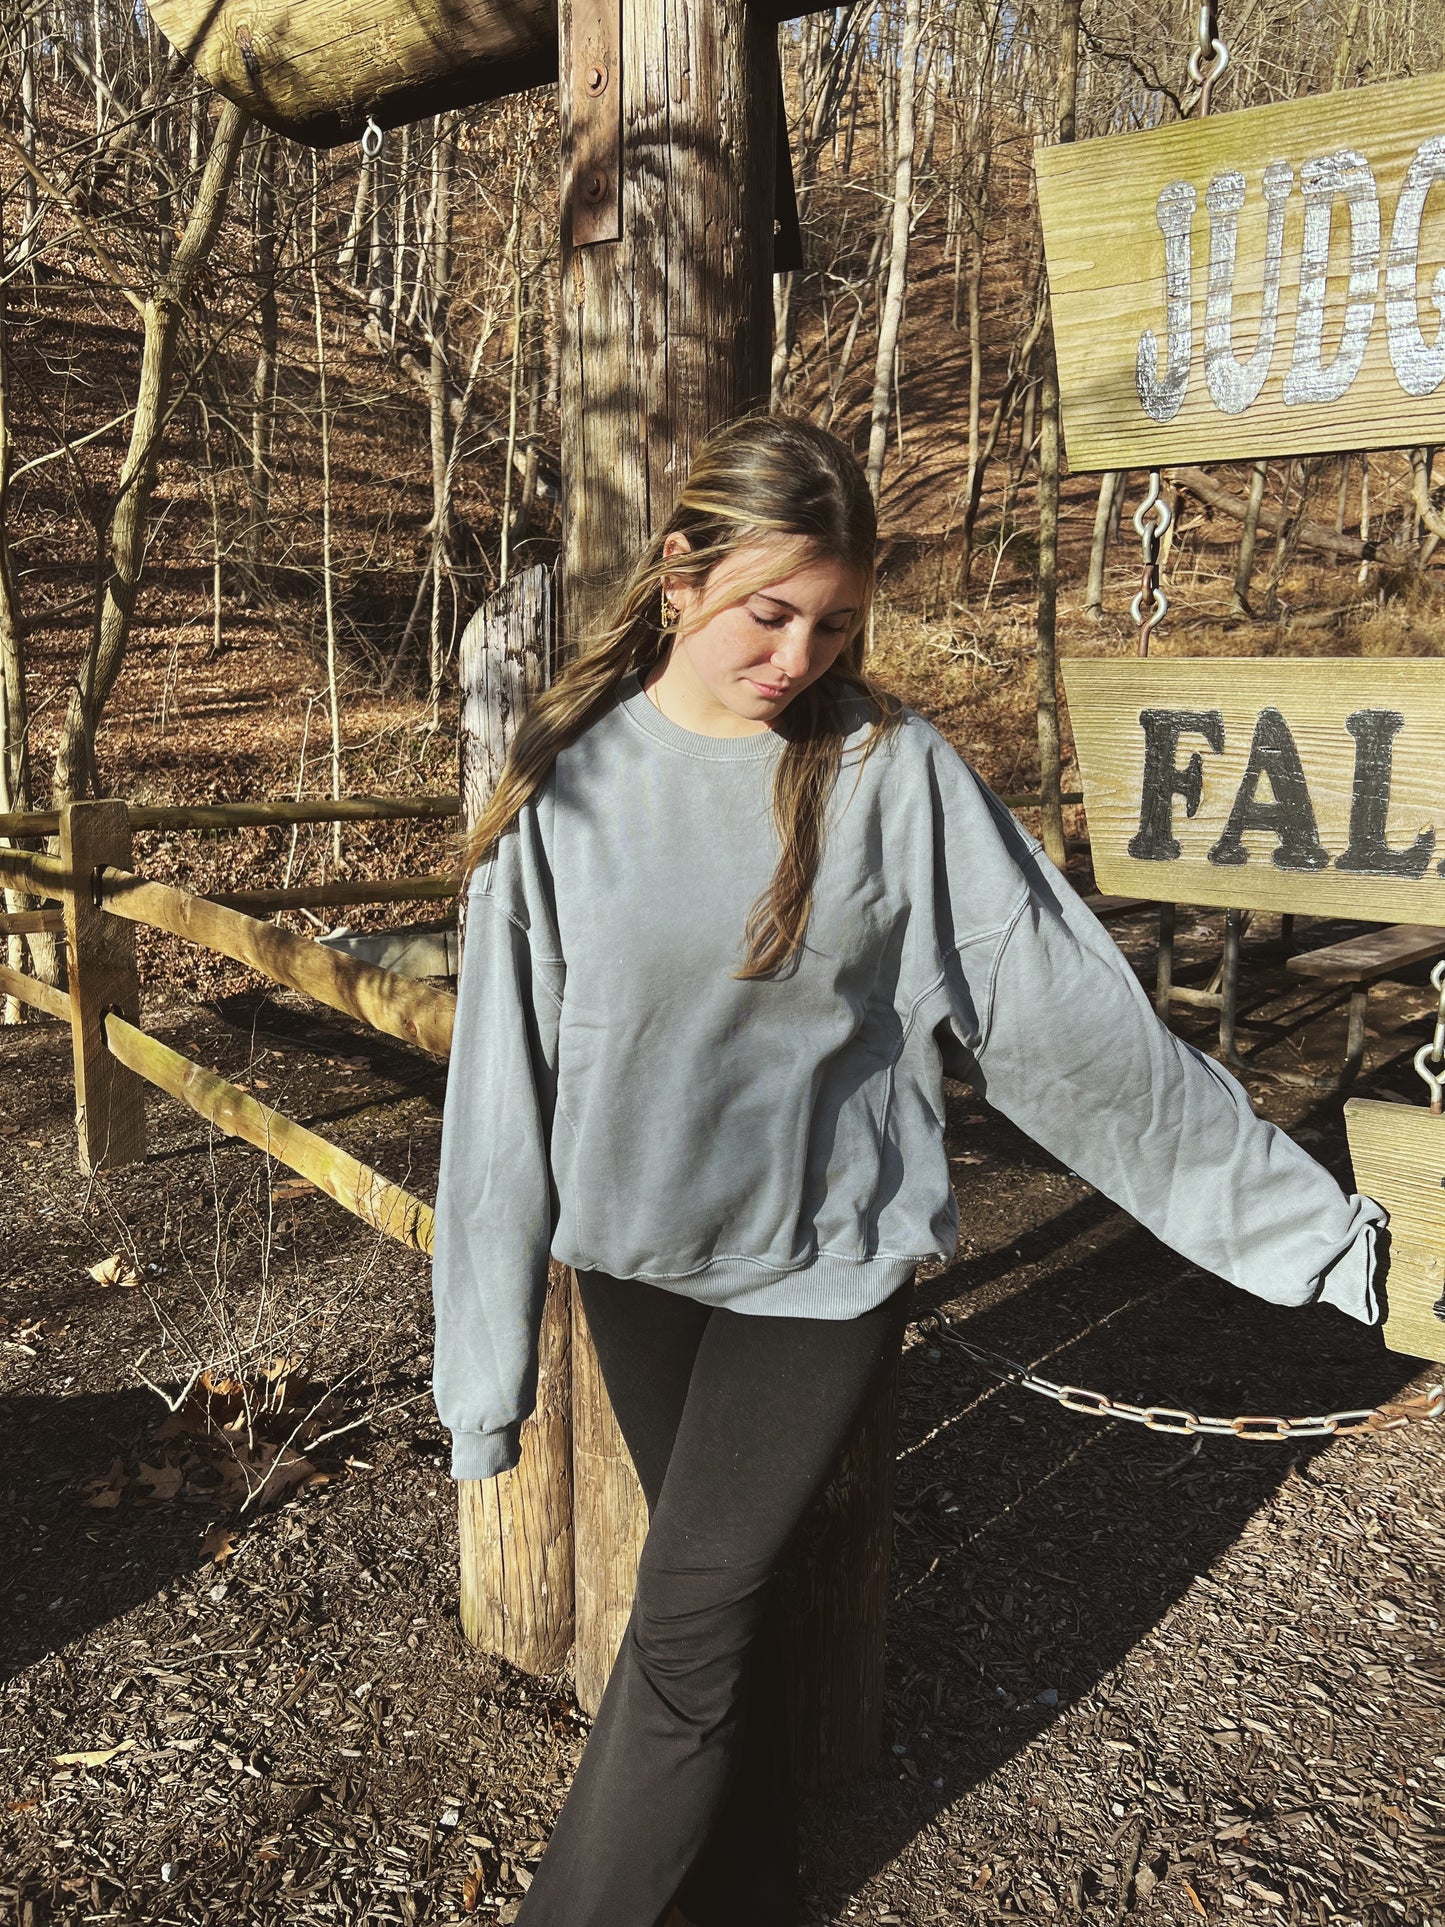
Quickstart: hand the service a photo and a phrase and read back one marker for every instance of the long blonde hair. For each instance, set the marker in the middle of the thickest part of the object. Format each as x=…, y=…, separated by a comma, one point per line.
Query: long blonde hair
x=796, y=490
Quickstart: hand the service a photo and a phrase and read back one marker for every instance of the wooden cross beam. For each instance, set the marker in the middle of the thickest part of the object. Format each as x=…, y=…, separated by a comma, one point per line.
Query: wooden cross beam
x=318, y=70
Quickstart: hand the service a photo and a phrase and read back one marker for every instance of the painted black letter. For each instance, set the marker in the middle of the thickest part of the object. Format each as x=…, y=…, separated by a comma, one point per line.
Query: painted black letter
x=1164, y=779
x=1290, y=817
x=1374, y=731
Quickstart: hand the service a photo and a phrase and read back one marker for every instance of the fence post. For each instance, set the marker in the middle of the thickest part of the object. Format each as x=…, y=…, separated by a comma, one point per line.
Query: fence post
x=515, y=1532
x=109, y=1099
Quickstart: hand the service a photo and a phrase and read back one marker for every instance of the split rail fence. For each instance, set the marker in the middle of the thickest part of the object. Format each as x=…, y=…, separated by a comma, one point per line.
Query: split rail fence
x=547, y=1553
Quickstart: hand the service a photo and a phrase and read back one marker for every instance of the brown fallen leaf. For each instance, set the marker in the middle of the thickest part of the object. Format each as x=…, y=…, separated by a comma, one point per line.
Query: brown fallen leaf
x=105, y=1490
x=98, y=1758
x=1195, y=1901
x=164, y=1481
x=218, y=1544
x=115, y=1270
x=291, y=1188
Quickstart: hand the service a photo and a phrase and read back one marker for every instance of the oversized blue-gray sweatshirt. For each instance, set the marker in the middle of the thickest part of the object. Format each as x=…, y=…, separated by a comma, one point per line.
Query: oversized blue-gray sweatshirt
x=620, y=1100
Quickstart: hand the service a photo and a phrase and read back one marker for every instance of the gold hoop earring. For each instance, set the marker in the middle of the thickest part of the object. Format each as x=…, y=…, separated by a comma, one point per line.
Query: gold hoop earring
x=669, y=611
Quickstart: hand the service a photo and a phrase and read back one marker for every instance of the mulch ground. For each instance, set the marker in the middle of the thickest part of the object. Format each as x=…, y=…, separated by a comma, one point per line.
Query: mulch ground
x=1128, y=1675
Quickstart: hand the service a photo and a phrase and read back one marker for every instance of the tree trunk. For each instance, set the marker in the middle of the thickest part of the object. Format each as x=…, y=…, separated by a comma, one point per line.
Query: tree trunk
x=1109, y=486
x=263, y=381
x=441, y=290
x=129, y=519
x=891, y=320
x=1046, y=665
x=1249, y=535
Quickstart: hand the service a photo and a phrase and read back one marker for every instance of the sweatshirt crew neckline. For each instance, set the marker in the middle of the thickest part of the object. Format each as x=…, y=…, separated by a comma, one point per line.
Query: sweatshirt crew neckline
x=639, y=708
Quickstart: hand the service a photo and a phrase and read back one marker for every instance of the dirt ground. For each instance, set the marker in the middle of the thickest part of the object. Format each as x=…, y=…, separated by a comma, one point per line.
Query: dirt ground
x=1127, y=1676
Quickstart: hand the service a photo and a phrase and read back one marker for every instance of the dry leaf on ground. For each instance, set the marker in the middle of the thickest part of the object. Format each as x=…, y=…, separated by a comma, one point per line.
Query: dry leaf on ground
x=98, y=1758
x=115, y=1270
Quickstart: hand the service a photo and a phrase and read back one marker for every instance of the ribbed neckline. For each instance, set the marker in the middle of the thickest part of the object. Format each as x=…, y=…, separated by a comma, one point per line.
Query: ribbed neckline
x=636, y=704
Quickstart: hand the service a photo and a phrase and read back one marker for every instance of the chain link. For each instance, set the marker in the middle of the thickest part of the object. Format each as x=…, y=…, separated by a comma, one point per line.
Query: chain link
x=1177, y=1419
x=1210, y=56
x=1207, y=61
x=371, y=139
x=1151, y=519
x=1434, y=1052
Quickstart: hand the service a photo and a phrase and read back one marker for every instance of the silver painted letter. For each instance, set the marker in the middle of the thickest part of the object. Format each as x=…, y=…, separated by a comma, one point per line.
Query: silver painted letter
x=1234, y=384
x=1419, y=367
x=1346, y=174
x=1174, y=211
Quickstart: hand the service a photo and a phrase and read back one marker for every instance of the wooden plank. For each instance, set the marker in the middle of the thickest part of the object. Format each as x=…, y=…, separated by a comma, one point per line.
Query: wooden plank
x=22, y=923
x=109, y=1100
x=1372, y=955
x=1399, y=1158
x=240, y=816
x=29, y=990
x=420, y=1014
x=1169, y=251
x=1105, y=908
x=316, y=896
x=1309, y=785
x=385, y=1206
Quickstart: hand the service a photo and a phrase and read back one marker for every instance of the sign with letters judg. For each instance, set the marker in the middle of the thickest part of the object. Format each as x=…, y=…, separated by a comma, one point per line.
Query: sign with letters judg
x=1266, y=282
x=1310, y=786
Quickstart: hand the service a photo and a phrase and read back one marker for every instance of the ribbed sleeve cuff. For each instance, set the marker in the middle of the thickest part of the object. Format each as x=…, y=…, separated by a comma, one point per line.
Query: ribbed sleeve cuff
x=482, y=1455
x=1349, y=1283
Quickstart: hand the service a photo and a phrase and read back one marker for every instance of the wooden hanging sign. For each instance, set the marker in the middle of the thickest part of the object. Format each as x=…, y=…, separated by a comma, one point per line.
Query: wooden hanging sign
x=1398, y=1151
x=1259, y=283
x=1311, y=785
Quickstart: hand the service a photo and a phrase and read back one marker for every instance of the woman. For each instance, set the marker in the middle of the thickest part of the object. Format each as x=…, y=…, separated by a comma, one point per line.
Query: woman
x=733, y=915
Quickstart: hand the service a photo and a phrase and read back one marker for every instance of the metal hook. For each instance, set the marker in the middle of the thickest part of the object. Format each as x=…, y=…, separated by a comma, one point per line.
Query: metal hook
x=1434, y=1051
x=1153, y=510
x=371, y=138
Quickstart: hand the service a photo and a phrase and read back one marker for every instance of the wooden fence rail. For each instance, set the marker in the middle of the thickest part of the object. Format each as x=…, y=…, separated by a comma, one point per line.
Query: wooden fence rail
x=102, y=898
x=240, y=816
x=417, y=1013
x=364, y=1192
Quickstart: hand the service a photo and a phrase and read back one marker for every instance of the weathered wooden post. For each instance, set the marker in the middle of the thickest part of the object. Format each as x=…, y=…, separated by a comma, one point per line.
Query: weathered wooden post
x=109, y=1099
x=669, y=174
x=667, y=191
x=515, y=1532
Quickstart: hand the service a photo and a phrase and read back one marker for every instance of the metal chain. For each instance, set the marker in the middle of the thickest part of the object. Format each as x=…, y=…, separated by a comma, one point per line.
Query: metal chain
x=1207, y=62
x=1434, y=1052
x=1209, y=58
x=1169, y=1418
x=1151, y=519
x=371, y=139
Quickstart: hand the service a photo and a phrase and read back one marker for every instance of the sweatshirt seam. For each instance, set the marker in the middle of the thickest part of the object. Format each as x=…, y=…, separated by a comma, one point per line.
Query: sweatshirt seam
x=1003, y=930
x=544, y=959
x=985, y=1029
x=721, y=1258
x=763, y=754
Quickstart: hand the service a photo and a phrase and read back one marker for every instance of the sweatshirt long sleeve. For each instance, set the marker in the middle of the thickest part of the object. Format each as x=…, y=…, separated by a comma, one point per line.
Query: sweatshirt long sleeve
x=495, y=1196
x=618, y=1098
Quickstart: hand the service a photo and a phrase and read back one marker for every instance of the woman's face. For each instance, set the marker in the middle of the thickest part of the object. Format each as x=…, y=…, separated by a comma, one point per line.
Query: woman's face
x=737, y=671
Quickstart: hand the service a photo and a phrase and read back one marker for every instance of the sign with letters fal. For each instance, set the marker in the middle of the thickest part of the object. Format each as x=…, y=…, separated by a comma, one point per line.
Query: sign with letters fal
x=1265, y=282
x=1310, y=786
